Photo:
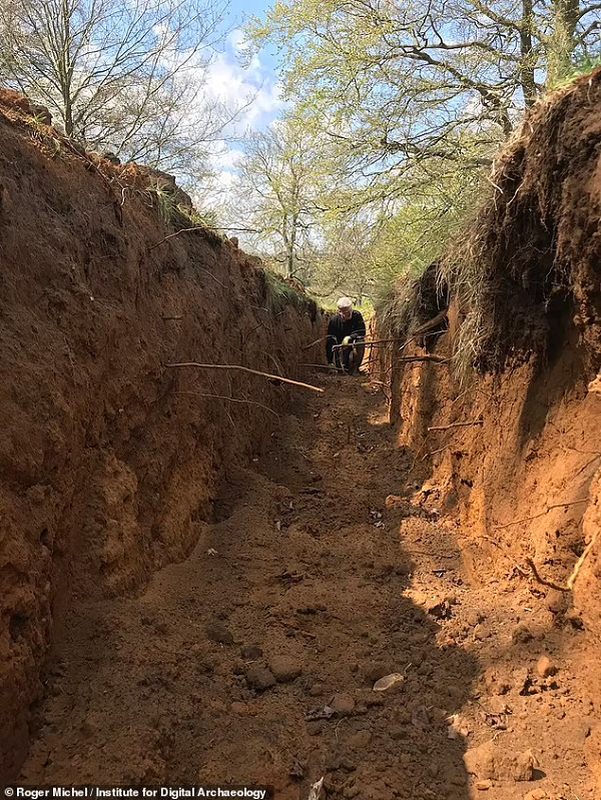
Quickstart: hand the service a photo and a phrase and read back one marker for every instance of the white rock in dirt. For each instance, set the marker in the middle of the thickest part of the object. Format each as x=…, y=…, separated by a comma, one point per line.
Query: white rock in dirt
x=316, y=790
x=391, y=681
x=458, y=726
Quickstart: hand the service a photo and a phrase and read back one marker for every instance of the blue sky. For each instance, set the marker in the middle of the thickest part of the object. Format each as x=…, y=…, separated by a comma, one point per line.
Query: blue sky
x=262, y=73
x=236, y=83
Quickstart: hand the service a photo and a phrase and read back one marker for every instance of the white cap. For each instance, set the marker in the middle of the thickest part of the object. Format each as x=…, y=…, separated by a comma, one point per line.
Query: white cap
x=345, y=302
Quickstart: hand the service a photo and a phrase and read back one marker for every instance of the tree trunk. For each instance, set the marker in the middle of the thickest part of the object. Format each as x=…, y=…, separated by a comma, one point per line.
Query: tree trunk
x=528, y=60
x=292, y=246
x=563, y=41
x=64, y=67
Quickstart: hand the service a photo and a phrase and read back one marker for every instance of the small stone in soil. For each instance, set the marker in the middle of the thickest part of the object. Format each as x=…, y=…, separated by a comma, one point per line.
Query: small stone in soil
x=241, y=708
x=285, y=668
x=545, y=667
x=495, y=682
x=536, y=794
x=521, y=680
x=556, y=601
x=496, y=706
x=315, y=728
x=250, y=652
x=343, y=703
x=474, y=618
x=218, y=632
x=521, y=634
x=481, y=632
x=524, y=766
x=259, y=678
x=360, y=740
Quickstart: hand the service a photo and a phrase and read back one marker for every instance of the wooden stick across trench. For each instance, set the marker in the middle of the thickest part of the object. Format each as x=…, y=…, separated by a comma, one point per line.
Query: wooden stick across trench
x=240, y=368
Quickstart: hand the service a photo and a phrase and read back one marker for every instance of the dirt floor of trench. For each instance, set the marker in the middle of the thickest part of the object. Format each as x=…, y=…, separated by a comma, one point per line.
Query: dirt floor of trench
x=305, y=575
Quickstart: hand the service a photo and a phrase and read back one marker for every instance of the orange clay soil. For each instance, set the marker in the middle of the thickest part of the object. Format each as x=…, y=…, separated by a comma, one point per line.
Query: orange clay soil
x=308, y=586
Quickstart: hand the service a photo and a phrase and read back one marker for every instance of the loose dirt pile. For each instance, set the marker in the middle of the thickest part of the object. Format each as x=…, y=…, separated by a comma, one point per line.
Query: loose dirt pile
x=109, y=461
x=309, y=586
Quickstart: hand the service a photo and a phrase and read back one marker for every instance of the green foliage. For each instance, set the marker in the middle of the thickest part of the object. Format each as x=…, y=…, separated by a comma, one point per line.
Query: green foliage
x=410, y=103
x=281, y=177
x=175, y=215
x=281, y=294
x=579, y=68
x=203, y=219
x=164, y=202
x=424, y=226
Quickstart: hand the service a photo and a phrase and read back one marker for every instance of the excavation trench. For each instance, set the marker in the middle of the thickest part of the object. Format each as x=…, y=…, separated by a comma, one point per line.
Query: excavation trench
x=307, y=575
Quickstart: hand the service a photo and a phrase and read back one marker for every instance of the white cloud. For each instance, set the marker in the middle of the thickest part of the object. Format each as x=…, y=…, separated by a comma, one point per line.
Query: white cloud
x=237, y=85
x=227, y=159
x=251, y=87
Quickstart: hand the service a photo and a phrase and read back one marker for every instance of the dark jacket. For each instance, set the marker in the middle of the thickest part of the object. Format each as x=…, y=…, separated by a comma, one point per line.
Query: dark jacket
x=339, y=328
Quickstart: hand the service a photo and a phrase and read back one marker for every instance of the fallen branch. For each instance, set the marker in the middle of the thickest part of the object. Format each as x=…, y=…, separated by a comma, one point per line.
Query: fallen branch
x=429, y=357
x=232, y=400
x=245, y=369
x=408, y=341
x=244, y=230
x=575, y=572
x=434, y=452
x=542, y=581
x=582, y=559
x=317, y=341
x=177, y=233
x=427, y=326
x=457, y=425
x=364, y=342
x=541, y=514
x=509, y=557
